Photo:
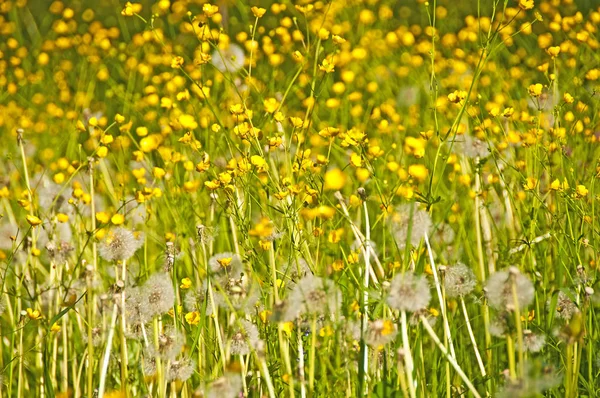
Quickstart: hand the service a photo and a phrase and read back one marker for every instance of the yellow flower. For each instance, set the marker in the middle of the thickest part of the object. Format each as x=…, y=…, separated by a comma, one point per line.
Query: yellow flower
x=102, y=217
x=326, y=331
x=287, y=327
x=568, y=98
x=418, y=171
x=119, y=118
x=176, y=62
x=34, y=314
x=553, y=51
x=209, y=10
x=526, y=4
x=335, y=180
x=33, y=220
x=158, y=172
x=117, y=219
x=535, y=90
x=581, y=191
x=326, y=66
x=555, y=185
x=62, y=217
x=258, y=11
x=338, y=39
x=192, y=318
x=55, y=328
x=186, y=283
x=530, y=183
x=264, y=315
x=271, y=105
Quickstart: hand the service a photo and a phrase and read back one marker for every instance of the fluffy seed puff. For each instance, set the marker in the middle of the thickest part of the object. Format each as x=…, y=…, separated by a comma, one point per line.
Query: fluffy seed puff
x=120, y=244
x=410, y=228
x=312, y=295
x=181, y=369
x=224, y=266
x=459, y=280
x=500, y=294
x=409, y=292
x=244, y=338
x=156, y=295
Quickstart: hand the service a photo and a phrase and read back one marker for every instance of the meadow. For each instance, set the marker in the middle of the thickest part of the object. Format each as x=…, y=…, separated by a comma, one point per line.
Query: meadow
x=250, y=198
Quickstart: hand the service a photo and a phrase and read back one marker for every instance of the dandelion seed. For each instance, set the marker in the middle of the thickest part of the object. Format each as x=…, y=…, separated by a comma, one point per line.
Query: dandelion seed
x=459, y=280
x=499, y=326
x=244, y=339
x=380, y=333
x=565, y=307
x=228, y=386
x=225, y=265
x=96, y=336
x=230, y=59
x=197, y=298
x=499, y=290
x=120, y=244
x=157, y=295
x=181, y=370
x=430, y=315
x=533, y=342
x=312, y=295
x=409, y=292
x=472, y=147
x=240, y=294
x=170, y=344
x=537, y=379
x=149, y=365
x=410, y=229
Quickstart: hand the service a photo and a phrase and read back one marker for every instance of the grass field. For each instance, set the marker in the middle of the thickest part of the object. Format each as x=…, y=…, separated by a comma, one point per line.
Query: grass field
x=247, y=198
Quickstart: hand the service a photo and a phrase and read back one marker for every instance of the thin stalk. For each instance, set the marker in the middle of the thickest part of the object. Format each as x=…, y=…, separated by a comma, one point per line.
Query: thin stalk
x=408, y=356
x=106, y=359
x=450, y=359
x=472, y=337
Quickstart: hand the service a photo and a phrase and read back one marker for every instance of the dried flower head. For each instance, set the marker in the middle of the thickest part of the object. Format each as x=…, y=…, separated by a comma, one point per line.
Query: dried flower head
x=224, y=266
x=533, y=342
x=228, y=386
x=459, y=280
x=312, y=295
x=244, y=339
x=565, y=307
x=120, y=244
x=230, y=59
x=380, y=332
x=157, y=295
x=409, y=225
x=409, y=292
x=181, y=369
x=499, y=290
x=196, y=299
x=168, y=344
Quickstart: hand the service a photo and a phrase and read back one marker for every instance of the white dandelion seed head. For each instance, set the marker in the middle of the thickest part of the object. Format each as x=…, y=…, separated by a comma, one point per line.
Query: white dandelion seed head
x=157, y=295
x=120, y=244
x=499, y=290
x=230, y=59
x=244, y=338
x=459, y=280
x=313, y=295
x=181, y=369
x=409, y=292
x=407, y=228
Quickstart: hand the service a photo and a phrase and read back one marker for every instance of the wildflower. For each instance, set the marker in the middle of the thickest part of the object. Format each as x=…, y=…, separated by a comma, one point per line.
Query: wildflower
x=157, y=295
x=335, y=179
x=533, y=342
x=459, y=280
x=192, y=318
x=209, y=9
x=526, y=4
x=499, y=290
x=186, y=283
x=181, y=369
x=225, y=265
x=258, y=11
x=34, y=315
x=312, y=295
x=565, y=307
x=327, y=66
x=535, y=90
x=457, y=96
x=409, y=292
x=120, y=244
x=553, y=51
x=33, y=220
x=176, y=62
x=117, y=219
x=568, y=98
x=244, y=339
x=410, y=228
x=230, y=60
